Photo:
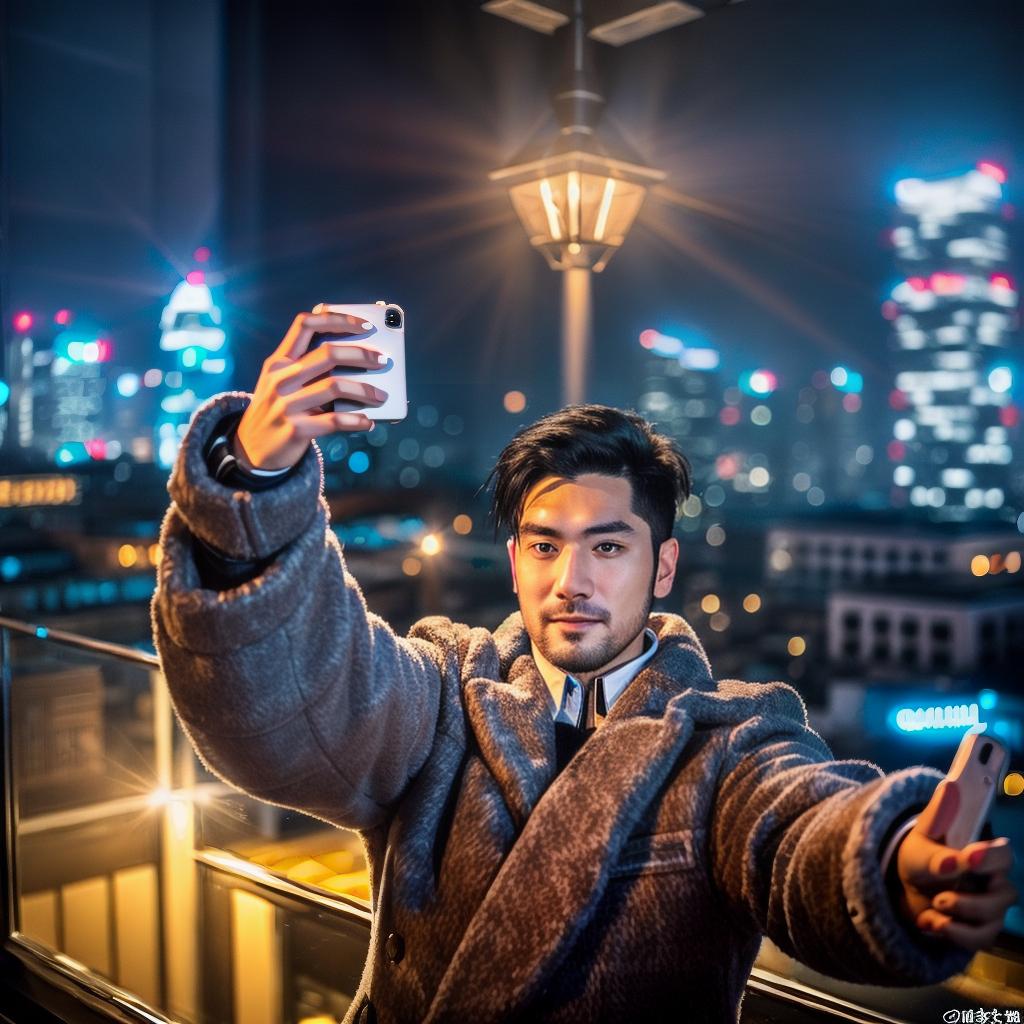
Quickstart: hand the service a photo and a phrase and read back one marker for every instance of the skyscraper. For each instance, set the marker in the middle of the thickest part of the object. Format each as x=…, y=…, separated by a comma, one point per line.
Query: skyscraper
x=953, y=315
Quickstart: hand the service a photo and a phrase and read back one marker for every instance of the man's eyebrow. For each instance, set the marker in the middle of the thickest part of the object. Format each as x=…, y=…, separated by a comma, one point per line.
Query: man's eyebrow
x=615, y=526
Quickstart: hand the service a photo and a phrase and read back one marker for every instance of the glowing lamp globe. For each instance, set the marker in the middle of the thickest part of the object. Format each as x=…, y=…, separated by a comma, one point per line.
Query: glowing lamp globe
x=577, y=207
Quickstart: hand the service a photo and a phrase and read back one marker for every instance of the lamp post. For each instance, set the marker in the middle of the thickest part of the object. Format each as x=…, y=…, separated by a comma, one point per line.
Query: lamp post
x=576, y=197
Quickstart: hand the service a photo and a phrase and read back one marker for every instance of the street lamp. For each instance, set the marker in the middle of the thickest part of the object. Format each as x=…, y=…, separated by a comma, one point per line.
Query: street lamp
x=576, y=196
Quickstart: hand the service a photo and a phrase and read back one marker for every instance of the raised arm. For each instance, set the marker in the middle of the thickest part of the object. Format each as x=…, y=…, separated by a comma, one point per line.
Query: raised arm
x=796, y=846
x=289, y=688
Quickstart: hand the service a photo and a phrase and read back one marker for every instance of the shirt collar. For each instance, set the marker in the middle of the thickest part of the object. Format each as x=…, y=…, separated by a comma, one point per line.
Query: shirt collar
x=609, y=686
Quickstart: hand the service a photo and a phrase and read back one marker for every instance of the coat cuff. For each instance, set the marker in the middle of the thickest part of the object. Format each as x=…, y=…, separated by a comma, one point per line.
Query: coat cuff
x=899, y=949
x=242, y=524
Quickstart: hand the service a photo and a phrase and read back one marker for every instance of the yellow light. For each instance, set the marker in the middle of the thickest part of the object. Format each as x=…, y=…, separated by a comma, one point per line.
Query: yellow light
x=796, y=646
x=602, y=213
x=154, y=554
x=462, y=524
x=127, y=555
x=550, y=209
x=575, y=248
x=431, y=544
x=781, y=560
x=411, y=566
x=1013, y=784
x=514, y=401
x=719, y=622
x=979, y=565
x=574, y=204
x=710, y=604
x=1013, y=561
x=752, y=603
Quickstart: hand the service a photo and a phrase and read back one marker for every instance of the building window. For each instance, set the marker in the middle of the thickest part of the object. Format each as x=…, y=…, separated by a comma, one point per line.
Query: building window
x=909, y=655
x=881, y=623
x=881, y=652
x=987, y=631
x=941, y=630
x=910, y=627
x=941, y=661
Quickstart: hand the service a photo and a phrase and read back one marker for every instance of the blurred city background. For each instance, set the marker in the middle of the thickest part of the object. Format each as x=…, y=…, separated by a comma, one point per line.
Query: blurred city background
x=787, y=233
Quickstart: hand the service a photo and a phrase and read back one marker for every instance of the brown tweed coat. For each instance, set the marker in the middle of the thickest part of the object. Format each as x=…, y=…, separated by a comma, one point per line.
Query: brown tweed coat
x=702, y=815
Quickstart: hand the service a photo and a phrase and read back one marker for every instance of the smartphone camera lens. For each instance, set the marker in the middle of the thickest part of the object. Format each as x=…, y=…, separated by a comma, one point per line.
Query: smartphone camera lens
x=393, y=317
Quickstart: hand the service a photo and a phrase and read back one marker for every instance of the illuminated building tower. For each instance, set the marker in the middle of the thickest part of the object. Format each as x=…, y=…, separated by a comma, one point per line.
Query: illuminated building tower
x=830, y=459
x=19, y=434
x=953, y=313
x=191, y=329
x=682, y=395
x=749, y=454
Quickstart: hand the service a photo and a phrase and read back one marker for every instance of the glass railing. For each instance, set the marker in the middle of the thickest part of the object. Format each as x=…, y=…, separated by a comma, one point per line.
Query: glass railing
x=145, y=878
x=141, y=878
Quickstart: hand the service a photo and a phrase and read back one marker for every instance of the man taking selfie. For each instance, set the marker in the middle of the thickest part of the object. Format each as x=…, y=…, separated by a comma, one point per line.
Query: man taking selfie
x=570, y=818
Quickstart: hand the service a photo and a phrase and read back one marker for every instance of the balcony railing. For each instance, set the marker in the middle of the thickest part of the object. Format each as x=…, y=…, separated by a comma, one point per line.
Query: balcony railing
x=138, y=886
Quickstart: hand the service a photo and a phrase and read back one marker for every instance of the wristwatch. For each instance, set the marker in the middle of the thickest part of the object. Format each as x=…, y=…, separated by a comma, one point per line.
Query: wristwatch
x=225, y=468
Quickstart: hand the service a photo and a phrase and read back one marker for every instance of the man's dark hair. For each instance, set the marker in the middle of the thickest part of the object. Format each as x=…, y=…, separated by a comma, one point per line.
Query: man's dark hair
x=593, y=439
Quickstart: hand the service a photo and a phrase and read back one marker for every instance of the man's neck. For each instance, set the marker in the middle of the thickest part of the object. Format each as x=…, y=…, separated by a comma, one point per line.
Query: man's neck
x=555, y=676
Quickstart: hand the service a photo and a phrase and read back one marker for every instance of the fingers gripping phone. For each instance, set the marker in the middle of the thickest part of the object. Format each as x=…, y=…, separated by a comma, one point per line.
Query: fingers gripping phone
x=978, y=769
x=388, y=336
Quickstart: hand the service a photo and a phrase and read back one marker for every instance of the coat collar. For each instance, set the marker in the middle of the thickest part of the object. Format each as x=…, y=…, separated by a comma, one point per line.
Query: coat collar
x=512, y=723
x=547, y=887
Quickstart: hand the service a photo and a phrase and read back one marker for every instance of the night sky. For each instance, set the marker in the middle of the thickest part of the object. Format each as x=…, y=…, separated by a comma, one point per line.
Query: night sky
x=782, y=127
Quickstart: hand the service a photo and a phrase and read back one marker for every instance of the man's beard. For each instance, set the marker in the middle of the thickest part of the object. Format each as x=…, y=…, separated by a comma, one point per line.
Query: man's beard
x=581, y=658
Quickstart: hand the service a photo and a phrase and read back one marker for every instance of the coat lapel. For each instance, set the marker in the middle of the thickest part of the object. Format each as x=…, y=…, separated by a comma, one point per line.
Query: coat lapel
x=572, y=830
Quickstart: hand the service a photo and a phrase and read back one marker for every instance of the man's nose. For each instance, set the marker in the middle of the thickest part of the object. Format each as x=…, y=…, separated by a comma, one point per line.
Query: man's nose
x=574, y=579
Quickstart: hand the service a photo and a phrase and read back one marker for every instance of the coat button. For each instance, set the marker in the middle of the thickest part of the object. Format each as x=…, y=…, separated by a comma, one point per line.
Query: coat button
x=367, y=1014
x=394, y=948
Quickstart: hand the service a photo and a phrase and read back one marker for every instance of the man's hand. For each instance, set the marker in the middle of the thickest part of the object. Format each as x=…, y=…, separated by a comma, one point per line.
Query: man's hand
x=284, y=414
x=929, y=871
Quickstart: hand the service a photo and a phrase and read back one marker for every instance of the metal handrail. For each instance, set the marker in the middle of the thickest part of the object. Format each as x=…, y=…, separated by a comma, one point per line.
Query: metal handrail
x=83, y=643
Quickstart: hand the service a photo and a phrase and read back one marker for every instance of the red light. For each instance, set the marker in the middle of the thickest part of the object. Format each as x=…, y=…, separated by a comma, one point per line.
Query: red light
x=23, y=321
x=820, y=379
x=851, y=403
x=726, y=466
x=202, y=254
x=105, y=350
x=62, y=317
x=648, y=338
x=890, y=309
x=919, y=284
x=195, y=277
x=993, y=171
x=898, y=399
x=97, y=448
x=1009, y=416
x=896, y=450
x=1000, y=281
x=947, y=284
x=729, y=416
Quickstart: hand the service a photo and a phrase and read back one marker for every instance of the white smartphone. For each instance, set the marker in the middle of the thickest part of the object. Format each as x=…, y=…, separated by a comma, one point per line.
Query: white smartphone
x=978, y=769
x=389, y=338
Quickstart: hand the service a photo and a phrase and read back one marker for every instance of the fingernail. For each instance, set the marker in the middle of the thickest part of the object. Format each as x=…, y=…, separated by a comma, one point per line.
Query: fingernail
x=948, y=866
x=382, y=360
x=367, y=327
x=976, y=858
x=379, y=395
x=372, y=424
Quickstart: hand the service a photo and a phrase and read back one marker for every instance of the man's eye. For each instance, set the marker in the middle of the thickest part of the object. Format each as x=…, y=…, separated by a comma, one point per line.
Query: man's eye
x=610, y=544
x=542, y=544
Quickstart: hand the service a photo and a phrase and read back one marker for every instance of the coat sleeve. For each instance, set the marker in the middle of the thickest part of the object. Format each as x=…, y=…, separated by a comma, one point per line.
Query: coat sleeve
x=287, y=685
x=796, y=843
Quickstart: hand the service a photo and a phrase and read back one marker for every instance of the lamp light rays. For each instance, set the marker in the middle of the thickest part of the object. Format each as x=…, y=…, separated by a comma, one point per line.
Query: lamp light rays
x=679, y=243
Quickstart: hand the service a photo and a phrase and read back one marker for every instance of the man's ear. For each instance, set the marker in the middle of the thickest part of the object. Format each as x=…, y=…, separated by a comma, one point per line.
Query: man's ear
x=510, y=546
x=668, y=555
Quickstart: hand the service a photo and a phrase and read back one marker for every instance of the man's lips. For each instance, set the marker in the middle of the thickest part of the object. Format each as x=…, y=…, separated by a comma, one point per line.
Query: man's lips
x=574, y=619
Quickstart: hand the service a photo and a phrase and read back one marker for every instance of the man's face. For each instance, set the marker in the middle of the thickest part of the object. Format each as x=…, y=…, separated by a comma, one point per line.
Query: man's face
x=584, y=570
